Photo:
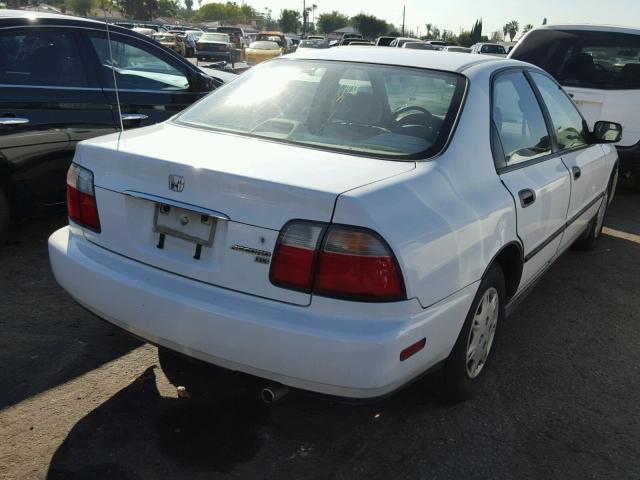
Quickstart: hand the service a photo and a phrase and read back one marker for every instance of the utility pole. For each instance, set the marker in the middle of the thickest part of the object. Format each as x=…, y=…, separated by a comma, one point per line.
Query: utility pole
x=304, y=17
x=403, y=11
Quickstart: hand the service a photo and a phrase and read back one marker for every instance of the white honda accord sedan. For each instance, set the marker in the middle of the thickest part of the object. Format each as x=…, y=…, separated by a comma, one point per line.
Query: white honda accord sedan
x=340, y=221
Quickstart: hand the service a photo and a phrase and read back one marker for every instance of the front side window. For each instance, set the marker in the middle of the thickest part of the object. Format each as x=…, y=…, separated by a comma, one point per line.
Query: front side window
x=567, y=122
x=518, y=119
x=41, y=57
x=137, y=69
x=385, y=111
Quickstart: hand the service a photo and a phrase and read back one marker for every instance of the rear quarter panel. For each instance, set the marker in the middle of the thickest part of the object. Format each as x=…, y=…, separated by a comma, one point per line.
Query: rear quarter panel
x=446, y=220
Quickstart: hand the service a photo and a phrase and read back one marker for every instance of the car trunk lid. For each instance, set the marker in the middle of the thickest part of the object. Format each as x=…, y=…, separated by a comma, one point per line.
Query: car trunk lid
x=250, y=188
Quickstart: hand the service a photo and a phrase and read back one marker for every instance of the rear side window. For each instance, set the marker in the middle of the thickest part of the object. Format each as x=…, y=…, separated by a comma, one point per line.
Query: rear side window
x=493, y=49
x=518, y=119
x=570, y=130
x=137, y=69
x=602, y=60
x=41, y=57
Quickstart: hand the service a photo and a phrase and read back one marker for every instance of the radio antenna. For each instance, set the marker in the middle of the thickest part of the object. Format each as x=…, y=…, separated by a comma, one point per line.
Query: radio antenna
x=113, y=72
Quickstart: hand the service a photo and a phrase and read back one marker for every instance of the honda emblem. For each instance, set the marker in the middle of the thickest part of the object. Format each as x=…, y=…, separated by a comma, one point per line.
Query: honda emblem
x=176, y=183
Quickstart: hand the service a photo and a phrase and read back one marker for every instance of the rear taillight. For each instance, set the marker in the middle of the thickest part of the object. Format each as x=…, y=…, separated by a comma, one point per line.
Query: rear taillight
x=336, y=261
x=295, y=255
x=81, y=199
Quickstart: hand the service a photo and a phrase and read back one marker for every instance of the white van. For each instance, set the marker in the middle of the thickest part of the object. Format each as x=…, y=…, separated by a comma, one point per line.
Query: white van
x=599, y=67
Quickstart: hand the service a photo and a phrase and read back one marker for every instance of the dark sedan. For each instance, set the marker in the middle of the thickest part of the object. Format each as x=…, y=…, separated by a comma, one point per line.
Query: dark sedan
x=57, y=88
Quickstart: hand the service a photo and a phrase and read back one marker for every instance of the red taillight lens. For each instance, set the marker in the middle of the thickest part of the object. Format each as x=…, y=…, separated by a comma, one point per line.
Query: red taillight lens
x=351, y=263
x=295, y=254
x=357, y=264
x=81, y=199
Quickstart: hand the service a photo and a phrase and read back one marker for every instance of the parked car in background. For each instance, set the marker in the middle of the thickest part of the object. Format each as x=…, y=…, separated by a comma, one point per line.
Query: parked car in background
x=277, y=37
x=215, y=46
x=399, y=41
x=147, y=32
x=356, y=42
x=196, y=34
x=599, y=66
x=172, y=41
x=236, y=34
x=384, y=41
x=189, y=43
x=418, y=46
x=344, y=247
x=315, y=37
x=351, y=35
x=313, y=43
x=261, y=50
x=492, y=49
x=56, y=89
x=454, y=48
x=437, y=44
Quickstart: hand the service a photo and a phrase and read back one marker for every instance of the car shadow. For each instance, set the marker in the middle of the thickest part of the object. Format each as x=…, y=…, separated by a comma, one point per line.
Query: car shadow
x=138, y=431
x=46, y=338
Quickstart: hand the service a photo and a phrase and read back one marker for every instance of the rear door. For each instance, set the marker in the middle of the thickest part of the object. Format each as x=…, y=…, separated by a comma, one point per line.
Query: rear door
x=589, y=172
x=47, y=99
x=152, y=84
x=535, y=176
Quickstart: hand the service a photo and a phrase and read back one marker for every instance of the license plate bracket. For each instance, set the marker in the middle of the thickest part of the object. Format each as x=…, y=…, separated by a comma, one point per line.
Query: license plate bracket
x=189, y=225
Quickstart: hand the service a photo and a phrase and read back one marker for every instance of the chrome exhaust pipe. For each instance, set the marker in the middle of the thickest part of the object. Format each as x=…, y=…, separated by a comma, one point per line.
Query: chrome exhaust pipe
x=273, y=393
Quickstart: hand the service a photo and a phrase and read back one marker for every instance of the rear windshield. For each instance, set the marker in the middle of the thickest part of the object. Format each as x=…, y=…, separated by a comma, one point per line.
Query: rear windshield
x=376, y=110
x=492, y=49
x=215, y=37
x=261, y=45
x=603, y=60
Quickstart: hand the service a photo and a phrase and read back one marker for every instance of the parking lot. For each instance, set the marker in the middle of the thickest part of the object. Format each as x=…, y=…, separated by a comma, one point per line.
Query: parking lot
x=80, y=399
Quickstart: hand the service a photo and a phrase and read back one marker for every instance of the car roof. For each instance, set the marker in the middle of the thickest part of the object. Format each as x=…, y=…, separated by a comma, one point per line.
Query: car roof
x=437, y=60
x=591, y=27
x=27, y=17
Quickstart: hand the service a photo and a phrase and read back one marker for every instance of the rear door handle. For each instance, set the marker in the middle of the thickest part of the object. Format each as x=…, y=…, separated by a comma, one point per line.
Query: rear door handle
x=129, y=117
x=527, y=197
x=576, y=172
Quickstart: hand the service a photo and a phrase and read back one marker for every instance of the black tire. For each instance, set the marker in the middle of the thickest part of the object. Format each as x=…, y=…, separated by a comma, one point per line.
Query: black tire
x=457, y=383
x=5, y=217
x=591, y=235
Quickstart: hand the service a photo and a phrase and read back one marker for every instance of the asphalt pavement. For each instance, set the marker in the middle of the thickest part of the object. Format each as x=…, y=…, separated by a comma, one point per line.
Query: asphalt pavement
x=79, y=399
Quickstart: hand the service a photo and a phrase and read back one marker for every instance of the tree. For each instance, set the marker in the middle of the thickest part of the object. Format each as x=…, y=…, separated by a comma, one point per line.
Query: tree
x=511, y=29
x=464, y=39
x=476, y=31
x=496, y=36
x=436, y=32
x=189, y=5
x=526, y=28
x=139, y=9
x=330, y=22
x=369, y=26
x=168, y=8
x=544, y=22
x=289, y=20
x=428, y=26
x=79, y=7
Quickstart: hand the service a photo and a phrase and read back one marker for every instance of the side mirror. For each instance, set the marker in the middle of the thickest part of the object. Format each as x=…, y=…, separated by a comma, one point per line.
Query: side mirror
x=607, y=132
x=201, y=82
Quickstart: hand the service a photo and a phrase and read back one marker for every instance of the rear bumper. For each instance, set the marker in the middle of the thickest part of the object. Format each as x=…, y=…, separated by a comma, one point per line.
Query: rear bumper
x=629, y=158
x=213, y=55
x=333, y=347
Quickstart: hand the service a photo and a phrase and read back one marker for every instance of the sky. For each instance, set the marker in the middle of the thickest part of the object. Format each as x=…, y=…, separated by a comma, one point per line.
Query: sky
x=456, y=14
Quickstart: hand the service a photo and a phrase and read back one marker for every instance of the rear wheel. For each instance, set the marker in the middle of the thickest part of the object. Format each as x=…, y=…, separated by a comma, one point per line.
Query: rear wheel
x=465, y=369
x=5, y=216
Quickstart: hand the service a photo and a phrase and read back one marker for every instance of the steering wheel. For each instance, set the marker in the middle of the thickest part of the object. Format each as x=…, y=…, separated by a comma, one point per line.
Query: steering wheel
x=410, y=108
